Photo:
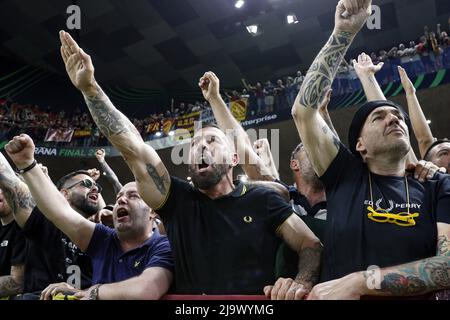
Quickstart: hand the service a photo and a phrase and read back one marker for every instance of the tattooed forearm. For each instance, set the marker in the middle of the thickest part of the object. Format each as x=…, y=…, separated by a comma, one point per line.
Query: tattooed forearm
x=443, y=246
x=109, y=120
x=16, y=193
x=9, y=286
x=161, y=182
x=309, y=265
x=417, y=278
x=111, y=176
x=323, y=70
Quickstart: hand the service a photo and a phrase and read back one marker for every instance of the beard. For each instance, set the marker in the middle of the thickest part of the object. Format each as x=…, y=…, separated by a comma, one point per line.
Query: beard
x=82, y=204
x=210, y=179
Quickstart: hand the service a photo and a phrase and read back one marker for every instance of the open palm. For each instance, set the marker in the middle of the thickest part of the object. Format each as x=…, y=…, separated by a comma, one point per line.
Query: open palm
x=78, y=64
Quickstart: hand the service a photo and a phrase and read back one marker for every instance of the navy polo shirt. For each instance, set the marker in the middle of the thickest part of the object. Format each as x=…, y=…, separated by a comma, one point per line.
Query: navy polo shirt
x=110, y=264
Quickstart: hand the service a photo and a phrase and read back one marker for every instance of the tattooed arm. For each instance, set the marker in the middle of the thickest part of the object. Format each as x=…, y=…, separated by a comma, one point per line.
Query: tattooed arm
x=153, y=180
x=410, y=279
x=321, y=144
x=253, y=165
x=16, y=193
x=303, y=241
x=12, y=284
x=110, y=174
x=49, y=200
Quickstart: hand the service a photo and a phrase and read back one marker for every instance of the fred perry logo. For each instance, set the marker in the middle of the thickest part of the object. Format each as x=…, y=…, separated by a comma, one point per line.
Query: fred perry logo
x=4, y=243
x=248, y=219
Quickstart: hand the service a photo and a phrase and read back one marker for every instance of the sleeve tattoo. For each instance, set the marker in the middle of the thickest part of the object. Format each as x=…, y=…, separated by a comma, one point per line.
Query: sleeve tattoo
x=109, y=120
x=423, y=276
x=309, y=265
x=321, y=73
x=16, y=192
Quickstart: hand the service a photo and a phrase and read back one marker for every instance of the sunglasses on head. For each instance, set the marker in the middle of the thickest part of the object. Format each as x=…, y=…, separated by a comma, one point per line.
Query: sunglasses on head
x=87, y=183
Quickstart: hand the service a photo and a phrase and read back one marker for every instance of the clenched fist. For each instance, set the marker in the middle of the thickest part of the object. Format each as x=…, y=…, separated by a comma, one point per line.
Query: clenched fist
x=21, y=150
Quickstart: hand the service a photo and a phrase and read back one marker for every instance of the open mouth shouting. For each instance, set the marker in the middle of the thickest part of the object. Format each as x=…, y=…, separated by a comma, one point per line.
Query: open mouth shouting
x=122, y=214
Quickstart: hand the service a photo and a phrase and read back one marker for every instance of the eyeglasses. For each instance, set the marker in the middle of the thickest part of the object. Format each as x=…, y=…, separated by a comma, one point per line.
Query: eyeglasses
x=87, y=184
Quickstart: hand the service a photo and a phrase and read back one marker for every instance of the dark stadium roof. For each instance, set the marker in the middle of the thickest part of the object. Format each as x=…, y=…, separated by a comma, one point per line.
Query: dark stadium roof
x=168, y=44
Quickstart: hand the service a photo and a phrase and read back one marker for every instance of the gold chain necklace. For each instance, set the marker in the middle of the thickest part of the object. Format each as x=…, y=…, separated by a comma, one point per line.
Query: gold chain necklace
x=404, y=219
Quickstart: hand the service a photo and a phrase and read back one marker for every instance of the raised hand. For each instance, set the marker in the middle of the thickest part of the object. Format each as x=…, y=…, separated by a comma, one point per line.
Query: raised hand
x=356, y=14
x=21, y=150
x=100, y=155
x=365, y=66
x=406, y=82
x=78, y=64
x=94, y=174
x=210, y=85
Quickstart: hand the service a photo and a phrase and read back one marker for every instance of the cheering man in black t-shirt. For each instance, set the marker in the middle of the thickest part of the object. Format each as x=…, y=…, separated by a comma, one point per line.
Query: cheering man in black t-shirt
x=389, y=234
x=223, y=235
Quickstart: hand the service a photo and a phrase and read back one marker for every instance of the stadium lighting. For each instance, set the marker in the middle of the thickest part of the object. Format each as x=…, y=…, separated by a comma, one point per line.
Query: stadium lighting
x=239, y=4
x=158, y=134
x=189, y=178
x=253, y=29
x=291, y=18
x=171, y=133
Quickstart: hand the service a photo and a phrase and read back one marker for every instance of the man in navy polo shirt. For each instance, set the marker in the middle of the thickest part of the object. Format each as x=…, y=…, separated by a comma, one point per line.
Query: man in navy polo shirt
x=131, y=261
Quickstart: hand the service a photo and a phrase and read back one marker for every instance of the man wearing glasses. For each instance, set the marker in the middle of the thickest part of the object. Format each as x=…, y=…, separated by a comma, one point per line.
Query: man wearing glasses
x=51, y=257
x=131, y=261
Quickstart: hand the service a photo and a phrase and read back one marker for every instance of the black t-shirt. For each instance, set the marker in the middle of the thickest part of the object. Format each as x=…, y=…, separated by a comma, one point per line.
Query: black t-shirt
x=353, y=241
x=12, y=247
x=227, y=245
x=51, y=256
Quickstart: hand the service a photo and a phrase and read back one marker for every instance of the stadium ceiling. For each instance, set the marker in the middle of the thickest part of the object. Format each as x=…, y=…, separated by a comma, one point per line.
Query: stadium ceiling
x=168, y=44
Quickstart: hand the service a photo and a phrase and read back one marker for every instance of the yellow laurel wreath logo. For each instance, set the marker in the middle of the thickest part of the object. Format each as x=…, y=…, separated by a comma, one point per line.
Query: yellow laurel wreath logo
x=402, y=219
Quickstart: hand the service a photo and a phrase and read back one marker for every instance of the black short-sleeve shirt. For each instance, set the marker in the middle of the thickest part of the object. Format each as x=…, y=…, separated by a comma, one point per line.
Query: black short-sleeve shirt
x=12, y=247
x=227, y=245
x=49, y=255
x=354, y=241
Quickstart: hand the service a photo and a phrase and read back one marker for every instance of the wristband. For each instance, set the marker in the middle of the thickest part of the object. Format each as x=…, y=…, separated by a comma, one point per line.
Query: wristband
x=31, y=166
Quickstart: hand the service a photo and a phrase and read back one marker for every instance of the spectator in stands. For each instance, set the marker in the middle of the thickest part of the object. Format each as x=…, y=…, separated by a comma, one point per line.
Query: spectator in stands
x=269, y=96
x=210, y=257
x=280, y=95
x=291, y=91
x=372, y=175
x=131, y=261
x=12, y=252
x=298, y=80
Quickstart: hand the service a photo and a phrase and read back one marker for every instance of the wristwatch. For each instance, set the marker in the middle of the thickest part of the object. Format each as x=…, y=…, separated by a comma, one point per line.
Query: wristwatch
x=93, y=294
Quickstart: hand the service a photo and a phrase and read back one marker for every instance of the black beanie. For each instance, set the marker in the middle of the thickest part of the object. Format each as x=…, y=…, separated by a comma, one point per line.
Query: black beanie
x=360, y=117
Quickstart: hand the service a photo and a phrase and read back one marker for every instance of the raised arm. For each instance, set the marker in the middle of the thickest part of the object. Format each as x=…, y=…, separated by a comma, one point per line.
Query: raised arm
x=322, y=145
x=48, y=199
x=418, y=121
x=151, y=175
x=365, y=70
x=252, y=164
x=15, y=192
x=323, y=111
x=110, y=174
x=262, y=149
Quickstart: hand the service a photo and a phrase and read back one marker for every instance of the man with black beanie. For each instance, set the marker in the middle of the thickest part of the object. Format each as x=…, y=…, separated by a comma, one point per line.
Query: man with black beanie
x=388, y=234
